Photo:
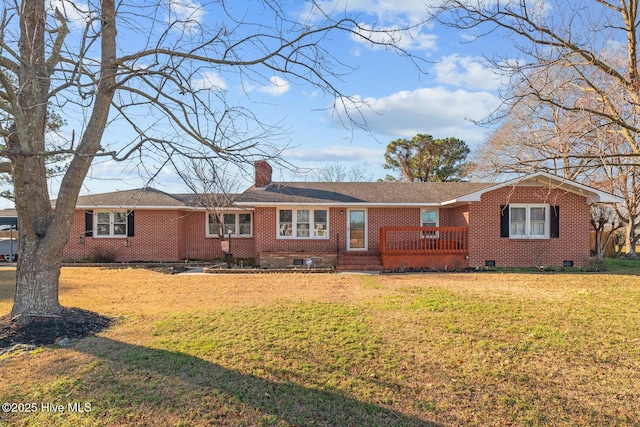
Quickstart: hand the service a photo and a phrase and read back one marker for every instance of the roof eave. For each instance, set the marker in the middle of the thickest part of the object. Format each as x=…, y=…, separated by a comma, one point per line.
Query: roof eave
x=335, y=204
x=131, y=207
x=553, y=181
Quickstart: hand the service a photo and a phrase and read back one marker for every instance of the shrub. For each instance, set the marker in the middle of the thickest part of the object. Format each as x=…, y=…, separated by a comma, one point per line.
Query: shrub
x=103, y=255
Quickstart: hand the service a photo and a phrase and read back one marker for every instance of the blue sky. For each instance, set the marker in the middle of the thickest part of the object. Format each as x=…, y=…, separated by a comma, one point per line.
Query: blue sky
x=456, y=88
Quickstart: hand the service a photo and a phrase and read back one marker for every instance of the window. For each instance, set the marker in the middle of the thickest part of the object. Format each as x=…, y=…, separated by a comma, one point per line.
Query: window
x=518, y=223
x=229, y=224
x=429, y=218
x=234, y=223
x=320, y=223
x=303, y=223
x=286, y=223
x=529, y=221
x=244, y=224
x=111, y=224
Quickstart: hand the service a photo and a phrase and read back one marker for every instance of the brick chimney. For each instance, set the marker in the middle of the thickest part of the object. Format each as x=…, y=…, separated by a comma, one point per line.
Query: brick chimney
x=263, y=173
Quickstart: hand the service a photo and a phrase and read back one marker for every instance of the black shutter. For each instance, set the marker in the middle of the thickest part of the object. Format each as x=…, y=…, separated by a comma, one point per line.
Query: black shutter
x=88, y=223
x=555, y=221
x=130, y=223
x=504, y=220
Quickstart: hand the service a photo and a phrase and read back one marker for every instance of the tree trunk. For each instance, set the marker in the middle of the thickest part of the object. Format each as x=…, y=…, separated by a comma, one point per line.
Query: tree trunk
x=631, y=239
x=43, y=232
x=599, y=246
x=36, y=286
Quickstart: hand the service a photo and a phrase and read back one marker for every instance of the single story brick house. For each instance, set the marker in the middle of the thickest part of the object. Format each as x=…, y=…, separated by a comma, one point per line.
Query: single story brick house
x=537, y=220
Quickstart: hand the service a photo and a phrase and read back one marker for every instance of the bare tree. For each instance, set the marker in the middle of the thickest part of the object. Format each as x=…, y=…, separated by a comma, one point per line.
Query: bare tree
x=598, y=79
x=625, y=179
x=335, y=172
x=212, y=186
x=160, y=84
x=605, y=222
x=576, y=74
x=538, y=137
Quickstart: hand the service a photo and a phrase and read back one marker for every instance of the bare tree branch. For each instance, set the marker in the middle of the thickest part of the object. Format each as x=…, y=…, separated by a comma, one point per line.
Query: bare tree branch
x=79, y=58
x=573, y=107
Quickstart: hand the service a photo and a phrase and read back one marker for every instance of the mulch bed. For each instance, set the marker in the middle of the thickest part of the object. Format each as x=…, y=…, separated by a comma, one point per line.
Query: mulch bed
x=74, y=323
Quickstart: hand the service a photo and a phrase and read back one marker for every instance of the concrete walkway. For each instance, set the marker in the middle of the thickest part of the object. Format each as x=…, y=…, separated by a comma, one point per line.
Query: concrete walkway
x=193, y=270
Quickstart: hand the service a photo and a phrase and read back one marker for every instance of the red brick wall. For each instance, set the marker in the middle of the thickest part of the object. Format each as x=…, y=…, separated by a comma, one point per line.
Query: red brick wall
x=181, y=226
x=265, y=221
x=459, y=216
x=486, y=243
x=265, y=231
x=160, y=235
x=157, y=238
x=381, y=217
x=200, y=247
x=173, y=235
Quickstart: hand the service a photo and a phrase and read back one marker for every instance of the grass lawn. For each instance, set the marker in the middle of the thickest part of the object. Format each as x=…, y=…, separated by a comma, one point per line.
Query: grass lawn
x=475, y=349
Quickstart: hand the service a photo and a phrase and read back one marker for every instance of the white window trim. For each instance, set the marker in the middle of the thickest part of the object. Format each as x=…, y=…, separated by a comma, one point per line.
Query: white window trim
x=237, y=227
x=294, y=223
x=111, y=234
x=527, y=220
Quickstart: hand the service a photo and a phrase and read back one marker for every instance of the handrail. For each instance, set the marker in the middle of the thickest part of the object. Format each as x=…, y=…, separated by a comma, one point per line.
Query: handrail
x=424, y=240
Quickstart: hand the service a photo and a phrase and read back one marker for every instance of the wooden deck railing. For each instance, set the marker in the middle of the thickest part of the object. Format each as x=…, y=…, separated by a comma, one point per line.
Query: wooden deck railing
x=424, y=240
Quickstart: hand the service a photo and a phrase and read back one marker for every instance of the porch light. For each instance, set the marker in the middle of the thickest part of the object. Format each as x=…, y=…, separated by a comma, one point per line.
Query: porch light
x=81, y=240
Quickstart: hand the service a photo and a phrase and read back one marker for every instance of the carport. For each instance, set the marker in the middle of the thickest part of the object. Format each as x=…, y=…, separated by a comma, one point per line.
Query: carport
x=9, y=247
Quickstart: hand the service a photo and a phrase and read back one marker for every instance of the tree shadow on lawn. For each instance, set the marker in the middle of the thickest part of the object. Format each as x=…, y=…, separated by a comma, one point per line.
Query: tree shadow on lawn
x=162, y=380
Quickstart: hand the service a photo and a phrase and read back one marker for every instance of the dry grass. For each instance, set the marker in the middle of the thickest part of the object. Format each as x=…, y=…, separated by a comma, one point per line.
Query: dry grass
x=484, y=349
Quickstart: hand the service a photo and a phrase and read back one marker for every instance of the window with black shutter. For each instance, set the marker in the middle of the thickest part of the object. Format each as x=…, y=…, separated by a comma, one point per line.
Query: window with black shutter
x=529, y=221
x=88, y=223
x=504, y=220
x=555, y=222
x=130, y=224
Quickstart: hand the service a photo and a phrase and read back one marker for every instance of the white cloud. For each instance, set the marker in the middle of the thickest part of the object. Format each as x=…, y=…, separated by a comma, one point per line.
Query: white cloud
x=539, y=10
x=77, y=13
x=187, y=13
x=436, y=111
x=388, y=15
x=386, y=11
x=413, y=39
x=342, y=153
x=467, y=71
x=209, y=80
x=278, y=86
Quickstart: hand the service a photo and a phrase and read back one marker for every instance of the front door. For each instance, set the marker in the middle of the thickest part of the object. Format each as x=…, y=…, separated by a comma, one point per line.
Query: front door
x=357, y=230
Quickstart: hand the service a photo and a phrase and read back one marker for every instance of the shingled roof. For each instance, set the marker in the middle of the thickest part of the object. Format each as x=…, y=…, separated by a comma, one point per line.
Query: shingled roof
x=145, y=198
x=138, y=198
x=333, y=193
x=369, y=193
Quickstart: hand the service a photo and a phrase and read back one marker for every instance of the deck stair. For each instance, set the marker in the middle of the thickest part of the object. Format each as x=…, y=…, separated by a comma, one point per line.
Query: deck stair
x=359, y=261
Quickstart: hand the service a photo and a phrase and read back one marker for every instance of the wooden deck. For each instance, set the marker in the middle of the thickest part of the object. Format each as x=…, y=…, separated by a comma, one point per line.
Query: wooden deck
x=438, y=248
